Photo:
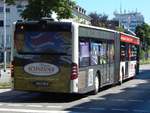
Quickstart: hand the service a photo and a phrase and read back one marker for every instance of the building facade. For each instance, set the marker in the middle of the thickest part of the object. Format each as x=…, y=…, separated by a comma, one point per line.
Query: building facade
x=80, y=16
x=12, y=15
x=129, y=20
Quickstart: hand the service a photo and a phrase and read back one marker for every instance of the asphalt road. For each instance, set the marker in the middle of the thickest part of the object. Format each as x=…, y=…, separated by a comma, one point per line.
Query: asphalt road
x=132, y=96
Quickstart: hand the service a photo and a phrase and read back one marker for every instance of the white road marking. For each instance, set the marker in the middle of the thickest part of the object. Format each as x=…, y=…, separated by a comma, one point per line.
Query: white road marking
x=15, y=105
x=119, y=109
x=79, y=107
x=32, y=111
x=135, y=100
x=141, y=111
x=54, y=106
x=34, y=105
x=118, y=100
x=97, y=98
x=96, y=108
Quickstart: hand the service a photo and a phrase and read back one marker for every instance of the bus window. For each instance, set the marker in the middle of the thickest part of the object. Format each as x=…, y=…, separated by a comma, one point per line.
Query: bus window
x=84, y=54
x=94, y=53
x=123, y=52
x=19, y=42
x=43, y=42
x=111, y=52
x=133, y=52
x=103, y=51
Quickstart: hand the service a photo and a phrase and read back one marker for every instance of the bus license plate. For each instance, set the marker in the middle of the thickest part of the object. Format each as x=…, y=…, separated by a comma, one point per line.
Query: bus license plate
x=41, y=83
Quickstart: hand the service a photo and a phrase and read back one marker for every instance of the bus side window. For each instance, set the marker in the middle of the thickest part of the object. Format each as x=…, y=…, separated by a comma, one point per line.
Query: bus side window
x=103, y=51
x=123, y=52
x=111, y=52
x=84, y=53
x=127, y=57
x=133, y=52
x=94, y=53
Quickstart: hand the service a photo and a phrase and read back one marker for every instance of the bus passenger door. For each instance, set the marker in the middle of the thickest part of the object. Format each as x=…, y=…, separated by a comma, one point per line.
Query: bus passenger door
x=103, y=62
x=107, y=62
x=127, y=55
x=110, y=62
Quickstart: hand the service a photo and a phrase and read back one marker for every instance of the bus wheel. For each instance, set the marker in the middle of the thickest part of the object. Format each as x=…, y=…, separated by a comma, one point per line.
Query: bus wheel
x=96, y=84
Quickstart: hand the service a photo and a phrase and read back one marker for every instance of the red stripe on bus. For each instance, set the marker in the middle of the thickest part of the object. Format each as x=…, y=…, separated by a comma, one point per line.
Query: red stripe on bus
x=129, y=39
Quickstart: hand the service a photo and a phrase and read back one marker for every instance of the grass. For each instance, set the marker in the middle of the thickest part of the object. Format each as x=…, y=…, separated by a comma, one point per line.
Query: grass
x=145, y=61
x=6, y=85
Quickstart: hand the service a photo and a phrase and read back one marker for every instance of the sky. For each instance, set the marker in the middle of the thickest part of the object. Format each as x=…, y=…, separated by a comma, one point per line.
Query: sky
x=109, y=6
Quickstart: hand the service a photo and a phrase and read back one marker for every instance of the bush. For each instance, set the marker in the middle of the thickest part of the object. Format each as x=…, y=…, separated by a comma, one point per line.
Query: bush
x=142, y=54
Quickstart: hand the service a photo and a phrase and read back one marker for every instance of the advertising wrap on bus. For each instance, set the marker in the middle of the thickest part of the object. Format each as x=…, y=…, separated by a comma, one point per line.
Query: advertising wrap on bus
x=42, y=60
x=41, y=69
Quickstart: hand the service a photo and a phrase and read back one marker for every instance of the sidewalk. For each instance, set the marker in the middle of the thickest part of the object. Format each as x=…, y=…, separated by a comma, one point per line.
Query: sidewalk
x=145, y=67
x=5, y=90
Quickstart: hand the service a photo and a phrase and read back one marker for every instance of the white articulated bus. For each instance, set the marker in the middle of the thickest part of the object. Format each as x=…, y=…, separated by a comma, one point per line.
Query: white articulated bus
x=71, y=58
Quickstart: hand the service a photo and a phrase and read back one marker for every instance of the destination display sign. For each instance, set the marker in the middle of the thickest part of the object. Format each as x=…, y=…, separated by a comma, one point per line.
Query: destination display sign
x=129, y=39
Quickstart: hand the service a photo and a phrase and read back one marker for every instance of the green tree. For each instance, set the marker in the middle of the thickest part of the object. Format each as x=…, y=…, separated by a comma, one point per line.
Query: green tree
x=120, y=28
x=10, y=2
x=143, y=32
x=36, y=9
x=99, y=19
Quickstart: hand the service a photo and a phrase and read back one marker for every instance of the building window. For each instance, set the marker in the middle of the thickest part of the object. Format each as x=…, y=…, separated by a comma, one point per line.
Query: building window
x=7, y=25
x=1, y=9
x=19, y=6
x=19, y=20
x=1, y=23
x=8, y=10
x=20, y=10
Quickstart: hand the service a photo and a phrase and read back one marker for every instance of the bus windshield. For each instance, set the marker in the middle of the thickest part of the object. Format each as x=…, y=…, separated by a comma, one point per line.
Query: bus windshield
x=43, y=42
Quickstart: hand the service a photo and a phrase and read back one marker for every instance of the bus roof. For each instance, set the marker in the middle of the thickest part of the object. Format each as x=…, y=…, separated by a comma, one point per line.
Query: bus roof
x=69, y=23
x=98, y=28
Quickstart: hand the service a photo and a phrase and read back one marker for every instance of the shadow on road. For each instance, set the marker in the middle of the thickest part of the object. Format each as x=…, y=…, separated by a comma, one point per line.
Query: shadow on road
x=28, y=97
x=127, y=98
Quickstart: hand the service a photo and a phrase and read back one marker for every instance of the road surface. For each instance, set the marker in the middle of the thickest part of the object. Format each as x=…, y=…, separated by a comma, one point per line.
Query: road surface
x=132, y=96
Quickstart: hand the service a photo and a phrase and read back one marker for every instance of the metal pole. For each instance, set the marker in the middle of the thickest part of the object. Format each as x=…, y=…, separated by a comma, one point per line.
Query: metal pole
x=4, y=39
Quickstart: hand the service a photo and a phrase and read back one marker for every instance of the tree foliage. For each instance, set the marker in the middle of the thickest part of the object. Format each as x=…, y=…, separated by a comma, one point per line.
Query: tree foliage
x=143, y=32
x=98, y=19
x=10, y=2
x=36, y=9
x=101, y=20
x=120, y=29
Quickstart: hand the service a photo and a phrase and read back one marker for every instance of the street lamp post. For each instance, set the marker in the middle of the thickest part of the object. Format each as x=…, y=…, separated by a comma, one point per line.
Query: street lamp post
x=4, y=38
